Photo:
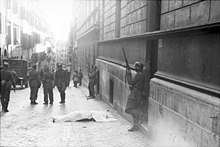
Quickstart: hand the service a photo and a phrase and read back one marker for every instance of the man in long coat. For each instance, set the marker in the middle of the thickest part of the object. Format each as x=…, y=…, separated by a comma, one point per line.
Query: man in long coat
x=35, y=83
x=61, y=82
x=80, y=77
x=6, y=81
x=92, y=78
x=48, y=84
x=136, y=85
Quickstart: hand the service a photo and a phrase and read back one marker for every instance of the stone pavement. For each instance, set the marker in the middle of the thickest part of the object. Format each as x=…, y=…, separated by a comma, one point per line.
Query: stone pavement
x=31, y=125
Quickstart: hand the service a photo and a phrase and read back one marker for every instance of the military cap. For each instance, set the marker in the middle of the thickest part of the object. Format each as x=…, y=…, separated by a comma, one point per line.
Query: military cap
x=59, y=65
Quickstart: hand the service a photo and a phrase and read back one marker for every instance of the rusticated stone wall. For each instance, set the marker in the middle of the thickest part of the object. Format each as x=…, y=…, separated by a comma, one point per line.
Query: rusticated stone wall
x=183, y=117
x=133, y=17
x=110, y=73
x=186, y=13
x=179, y=114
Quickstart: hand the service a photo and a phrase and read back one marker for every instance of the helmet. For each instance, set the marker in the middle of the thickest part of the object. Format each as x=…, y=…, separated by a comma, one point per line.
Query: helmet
x=59, y=65
x=5, y=64
x=139, y=65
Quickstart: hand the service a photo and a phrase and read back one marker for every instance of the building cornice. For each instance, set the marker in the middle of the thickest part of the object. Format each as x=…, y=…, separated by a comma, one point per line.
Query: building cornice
x=161, y=34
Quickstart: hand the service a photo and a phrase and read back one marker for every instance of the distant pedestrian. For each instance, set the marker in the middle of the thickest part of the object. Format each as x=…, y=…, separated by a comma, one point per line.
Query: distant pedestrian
x=75, y=78
x=68, y=77
x=92, y=76
x=60, y=82
x=96, y=84
x=35, y=83
x=48, y=85
x=136, y=85
x=80, y=77
x=6, y=81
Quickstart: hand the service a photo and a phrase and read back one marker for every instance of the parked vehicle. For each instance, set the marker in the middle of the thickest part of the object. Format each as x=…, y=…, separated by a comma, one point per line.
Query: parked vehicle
x=19, y=70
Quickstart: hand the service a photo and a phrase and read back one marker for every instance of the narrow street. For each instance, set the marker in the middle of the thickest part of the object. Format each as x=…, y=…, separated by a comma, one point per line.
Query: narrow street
x=31, y=125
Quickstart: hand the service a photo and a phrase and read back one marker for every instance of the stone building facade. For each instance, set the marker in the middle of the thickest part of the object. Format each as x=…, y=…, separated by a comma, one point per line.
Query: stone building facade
x=86, y=35
x=22, y=27
x=178, y=41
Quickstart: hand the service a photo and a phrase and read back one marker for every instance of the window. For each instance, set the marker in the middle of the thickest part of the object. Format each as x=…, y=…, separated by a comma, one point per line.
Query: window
x=9, y=4
x=0, y=23
x=15, y=7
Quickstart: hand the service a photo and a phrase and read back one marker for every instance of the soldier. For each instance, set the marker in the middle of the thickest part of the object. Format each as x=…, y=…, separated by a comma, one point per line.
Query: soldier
x=6, y=81
x=48, y=84
x=136, y=85
x=60, y=82
x=35, y=83
x=75, y=78
x=80, y=77
x=68, y=77
x=92, y=78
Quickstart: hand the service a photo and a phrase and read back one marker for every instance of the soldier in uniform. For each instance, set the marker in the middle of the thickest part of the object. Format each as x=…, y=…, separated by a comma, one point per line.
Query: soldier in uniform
x=136, y=85
x=80, y=77
x=92, y=78
x=35, y=83
x=6, y=81
x=68, y=77
x=48, y=84
x=61, y=82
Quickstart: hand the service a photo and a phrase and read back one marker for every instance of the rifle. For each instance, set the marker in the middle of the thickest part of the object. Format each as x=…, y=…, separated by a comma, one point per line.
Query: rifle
x=126, y=61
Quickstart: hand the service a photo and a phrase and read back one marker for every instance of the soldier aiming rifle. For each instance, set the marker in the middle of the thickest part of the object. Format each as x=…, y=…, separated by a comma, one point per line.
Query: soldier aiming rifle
x=136, y=85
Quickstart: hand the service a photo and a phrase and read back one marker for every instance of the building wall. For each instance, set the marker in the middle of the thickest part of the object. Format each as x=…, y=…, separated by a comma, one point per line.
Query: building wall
x=23, y=27
x=133, y=17
x=87, y=36
x=184, y=87
x=184, y=96
x=3, y=26
x=124, y=20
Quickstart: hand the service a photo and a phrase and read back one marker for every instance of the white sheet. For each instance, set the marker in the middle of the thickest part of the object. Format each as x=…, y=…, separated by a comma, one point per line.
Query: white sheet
x=98, y=116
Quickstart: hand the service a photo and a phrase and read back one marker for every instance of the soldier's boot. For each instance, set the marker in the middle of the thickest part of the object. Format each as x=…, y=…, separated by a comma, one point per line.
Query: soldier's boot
x=3, y=107
x=62, y=95
x=6, y=107
x=3, y=103
x=135, y=127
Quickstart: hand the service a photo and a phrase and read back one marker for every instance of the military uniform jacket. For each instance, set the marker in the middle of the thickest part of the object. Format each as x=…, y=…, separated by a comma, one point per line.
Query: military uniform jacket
x=48, y=80
x=6, y=78
x=60, y=78
x=75, y=77
x=137, y=81
x=135, y=96
x=80, y=74
x=34, y=79
x=92, y=76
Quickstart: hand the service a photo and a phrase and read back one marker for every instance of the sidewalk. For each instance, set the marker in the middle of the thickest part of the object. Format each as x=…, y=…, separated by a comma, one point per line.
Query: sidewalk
x=28, y=125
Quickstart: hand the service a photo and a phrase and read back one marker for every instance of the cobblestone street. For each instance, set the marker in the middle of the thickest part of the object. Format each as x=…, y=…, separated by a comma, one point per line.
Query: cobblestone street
x=31, y=125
